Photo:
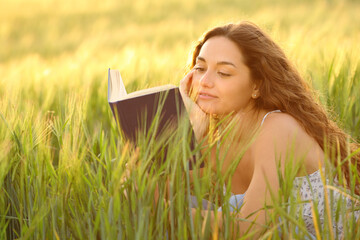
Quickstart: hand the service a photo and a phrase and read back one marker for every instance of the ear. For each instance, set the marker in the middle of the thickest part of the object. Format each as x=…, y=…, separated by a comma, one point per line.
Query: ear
x=255, y=92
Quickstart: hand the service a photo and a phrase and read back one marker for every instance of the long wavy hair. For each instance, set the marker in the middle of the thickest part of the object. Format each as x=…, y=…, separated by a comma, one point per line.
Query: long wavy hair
x=282, y=87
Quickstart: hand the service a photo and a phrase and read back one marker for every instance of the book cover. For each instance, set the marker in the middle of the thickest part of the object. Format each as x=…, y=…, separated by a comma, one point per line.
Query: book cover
x=157, y=109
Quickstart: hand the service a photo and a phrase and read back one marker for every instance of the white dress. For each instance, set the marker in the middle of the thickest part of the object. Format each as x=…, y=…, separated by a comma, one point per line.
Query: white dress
x=310, y=189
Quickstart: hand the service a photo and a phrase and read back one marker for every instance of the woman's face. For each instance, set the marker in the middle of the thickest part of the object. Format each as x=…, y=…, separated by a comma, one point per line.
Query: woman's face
x=221, y=81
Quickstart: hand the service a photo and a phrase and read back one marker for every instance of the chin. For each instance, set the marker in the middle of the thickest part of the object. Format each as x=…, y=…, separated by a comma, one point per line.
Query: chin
x=210, y=110
x=206, y=109
x=215, y=109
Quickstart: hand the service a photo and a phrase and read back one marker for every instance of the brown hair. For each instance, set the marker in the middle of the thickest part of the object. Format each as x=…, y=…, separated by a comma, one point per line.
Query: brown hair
x=282, y=87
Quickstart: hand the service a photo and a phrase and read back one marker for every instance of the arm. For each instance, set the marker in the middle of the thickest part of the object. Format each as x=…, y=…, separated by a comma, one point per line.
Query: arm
x=198, y=118
x=271, y=143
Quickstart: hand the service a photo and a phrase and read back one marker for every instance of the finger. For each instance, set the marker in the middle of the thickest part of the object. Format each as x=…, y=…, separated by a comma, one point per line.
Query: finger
x=189, y=80
x=185, y=83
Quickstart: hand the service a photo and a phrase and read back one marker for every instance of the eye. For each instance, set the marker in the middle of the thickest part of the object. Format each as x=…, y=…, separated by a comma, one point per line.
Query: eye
x=222, y=74
x=199, y=69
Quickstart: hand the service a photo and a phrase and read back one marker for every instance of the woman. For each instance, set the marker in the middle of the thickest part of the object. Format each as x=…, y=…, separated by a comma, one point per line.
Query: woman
x=239, y=73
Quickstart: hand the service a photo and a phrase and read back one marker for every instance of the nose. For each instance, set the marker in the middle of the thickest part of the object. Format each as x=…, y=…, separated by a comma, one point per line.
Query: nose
x=206, y=80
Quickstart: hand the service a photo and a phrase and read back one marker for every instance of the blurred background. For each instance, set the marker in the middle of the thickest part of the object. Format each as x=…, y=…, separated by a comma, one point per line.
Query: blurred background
x=55, y=50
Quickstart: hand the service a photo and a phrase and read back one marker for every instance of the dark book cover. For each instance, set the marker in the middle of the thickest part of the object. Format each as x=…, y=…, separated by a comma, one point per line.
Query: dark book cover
x=136, y=114
x=157, y=113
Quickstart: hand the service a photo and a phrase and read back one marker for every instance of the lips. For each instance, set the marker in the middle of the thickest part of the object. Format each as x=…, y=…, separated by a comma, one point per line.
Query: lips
x=206, y=95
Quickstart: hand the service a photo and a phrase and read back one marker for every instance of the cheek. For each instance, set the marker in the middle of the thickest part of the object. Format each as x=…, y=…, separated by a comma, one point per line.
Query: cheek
x=238, y=95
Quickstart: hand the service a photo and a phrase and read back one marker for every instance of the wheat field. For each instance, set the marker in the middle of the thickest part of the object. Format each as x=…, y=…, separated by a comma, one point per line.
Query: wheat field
x=62, y=161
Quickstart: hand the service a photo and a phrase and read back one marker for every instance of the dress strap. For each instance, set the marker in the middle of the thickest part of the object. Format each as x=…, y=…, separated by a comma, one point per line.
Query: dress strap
x=267, y=115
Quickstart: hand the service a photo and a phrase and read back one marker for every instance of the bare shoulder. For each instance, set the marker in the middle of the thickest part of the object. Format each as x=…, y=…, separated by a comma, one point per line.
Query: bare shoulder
x=277, y=131
x=280, y=124
x=281, y=137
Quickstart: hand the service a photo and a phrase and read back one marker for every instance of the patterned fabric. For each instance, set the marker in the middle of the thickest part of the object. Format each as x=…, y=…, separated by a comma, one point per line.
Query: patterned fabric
x=235, y=202
x=311, y=190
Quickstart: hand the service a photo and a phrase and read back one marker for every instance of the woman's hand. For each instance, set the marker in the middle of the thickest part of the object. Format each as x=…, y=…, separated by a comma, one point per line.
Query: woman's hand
x=198, y=118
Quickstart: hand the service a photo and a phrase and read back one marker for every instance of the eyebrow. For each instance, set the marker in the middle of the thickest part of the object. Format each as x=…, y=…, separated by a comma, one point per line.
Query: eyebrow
x=218, y=63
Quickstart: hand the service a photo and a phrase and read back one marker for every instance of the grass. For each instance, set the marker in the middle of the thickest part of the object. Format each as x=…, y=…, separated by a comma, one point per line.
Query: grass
x=62, y=162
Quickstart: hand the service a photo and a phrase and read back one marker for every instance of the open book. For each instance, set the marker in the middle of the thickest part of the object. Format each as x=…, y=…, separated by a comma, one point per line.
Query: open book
x=136, y=112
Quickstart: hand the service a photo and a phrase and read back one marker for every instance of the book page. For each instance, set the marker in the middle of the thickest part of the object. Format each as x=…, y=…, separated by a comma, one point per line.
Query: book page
x=149, y=91
x=116, y=87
